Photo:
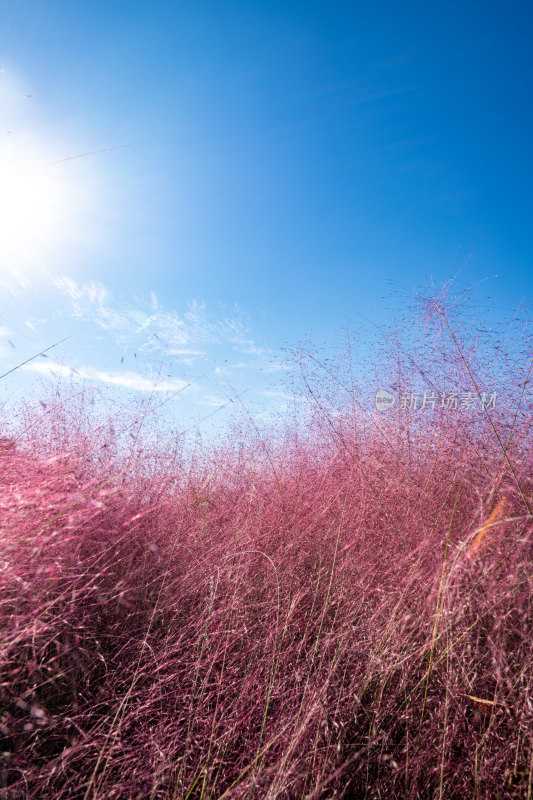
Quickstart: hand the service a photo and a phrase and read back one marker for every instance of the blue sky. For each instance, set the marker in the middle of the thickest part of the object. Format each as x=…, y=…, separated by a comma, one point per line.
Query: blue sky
x=271, y=171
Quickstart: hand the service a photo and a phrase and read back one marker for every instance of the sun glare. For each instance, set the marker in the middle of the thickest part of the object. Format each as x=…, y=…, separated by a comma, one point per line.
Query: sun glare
x=36, y=206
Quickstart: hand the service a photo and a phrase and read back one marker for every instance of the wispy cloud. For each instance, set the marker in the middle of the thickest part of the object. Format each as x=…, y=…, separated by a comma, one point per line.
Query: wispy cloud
x=151, y=327
x=33, y=323
x=125, y=379
x=126, y=341
x=214, y=401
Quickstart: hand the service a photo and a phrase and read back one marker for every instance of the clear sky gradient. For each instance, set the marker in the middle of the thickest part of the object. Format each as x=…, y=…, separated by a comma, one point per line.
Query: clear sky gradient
x=282, y=169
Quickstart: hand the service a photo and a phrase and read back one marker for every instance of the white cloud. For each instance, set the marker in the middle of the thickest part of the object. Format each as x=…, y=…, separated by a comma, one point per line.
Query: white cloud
x=214, y=347
x=49, y=368
x=128, y=380
x=33, y=323
x=248, y=347
x=153, y=328
x=214, y=401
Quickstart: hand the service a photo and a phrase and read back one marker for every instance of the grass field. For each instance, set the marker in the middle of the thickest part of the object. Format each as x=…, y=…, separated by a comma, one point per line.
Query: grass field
x=340, y=608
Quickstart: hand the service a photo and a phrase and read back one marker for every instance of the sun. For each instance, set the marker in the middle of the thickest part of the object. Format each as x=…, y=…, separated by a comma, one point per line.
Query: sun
x=35, y=206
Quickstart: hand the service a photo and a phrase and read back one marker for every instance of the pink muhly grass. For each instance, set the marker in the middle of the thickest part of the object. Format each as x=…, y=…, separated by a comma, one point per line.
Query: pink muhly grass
x=290, y=615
